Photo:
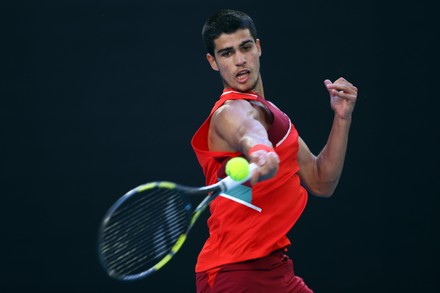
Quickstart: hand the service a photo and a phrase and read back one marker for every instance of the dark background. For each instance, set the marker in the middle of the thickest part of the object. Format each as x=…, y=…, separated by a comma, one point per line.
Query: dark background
x=101, y=96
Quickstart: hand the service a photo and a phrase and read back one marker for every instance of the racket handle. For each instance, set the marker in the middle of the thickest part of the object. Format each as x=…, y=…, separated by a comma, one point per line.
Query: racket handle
x=228, y=183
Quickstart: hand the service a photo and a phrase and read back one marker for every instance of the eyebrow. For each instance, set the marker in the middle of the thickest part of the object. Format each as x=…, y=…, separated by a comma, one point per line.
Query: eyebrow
x=227, y=49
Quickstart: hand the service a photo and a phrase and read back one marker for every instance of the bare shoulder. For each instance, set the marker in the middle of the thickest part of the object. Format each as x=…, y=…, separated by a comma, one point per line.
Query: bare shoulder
x=235, y=107
x=226, y=123
x=234, y=110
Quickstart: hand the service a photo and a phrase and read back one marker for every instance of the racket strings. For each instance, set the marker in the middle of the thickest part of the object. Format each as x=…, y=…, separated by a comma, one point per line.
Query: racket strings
x=140, y=233
x=129, y=250
x=142, y=230
x=154, y=249
x=135, y=220
x=138, y=214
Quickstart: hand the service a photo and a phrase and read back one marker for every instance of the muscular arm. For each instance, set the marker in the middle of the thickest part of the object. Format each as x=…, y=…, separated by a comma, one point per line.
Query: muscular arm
x=320, y=174
x=237, y=126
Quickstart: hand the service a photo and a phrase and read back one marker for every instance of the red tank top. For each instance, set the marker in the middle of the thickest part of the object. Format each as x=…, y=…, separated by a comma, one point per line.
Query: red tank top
x=250, y=222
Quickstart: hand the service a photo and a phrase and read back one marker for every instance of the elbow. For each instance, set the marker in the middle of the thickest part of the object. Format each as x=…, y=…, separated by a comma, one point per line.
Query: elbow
x=324, y=190
x=324, y=194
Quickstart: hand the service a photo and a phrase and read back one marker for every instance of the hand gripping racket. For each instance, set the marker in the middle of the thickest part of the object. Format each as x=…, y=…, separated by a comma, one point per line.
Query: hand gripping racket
x=148, y=225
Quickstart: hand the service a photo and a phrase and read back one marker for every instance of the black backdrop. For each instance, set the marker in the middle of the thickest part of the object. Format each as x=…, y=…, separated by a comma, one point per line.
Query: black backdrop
x=100, y=96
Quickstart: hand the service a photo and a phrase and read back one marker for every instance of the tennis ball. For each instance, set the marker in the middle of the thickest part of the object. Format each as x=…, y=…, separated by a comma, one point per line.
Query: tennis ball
x=237, y=168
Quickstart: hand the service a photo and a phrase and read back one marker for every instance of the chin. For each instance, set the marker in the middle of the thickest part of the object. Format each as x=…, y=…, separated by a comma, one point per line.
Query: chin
x=245, y=88
x=242, y=87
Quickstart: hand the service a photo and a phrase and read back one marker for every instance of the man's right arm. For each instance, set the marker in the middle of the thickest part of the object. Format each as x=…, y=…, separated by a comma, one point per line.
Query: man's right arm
x=236, y=126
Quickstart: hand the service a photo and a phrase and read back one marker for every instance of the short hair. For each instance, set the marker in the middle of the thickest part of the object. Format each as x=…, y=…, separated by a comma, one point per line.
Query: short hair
x=226, y=21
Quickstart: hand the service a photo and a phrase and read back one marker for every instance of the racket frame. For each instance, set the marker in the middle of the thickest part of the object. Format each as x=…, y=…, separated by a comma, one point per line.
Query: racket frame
x=212, y=190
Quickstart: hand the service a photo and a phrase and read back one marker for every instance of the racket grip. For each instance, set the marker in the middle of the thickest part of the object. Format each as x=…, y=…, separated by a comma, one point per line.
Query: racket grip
x=228, y=183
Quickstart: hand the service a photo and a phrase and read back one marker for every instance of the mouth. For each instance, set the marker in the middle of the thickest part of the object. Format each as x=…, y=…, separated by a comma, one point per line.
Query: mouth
x=243, y=75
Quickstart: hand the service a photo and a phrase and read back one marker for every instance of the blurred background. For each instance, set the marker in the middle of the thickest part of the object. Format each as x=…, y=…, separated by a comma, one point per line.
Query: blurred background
x=101, y=96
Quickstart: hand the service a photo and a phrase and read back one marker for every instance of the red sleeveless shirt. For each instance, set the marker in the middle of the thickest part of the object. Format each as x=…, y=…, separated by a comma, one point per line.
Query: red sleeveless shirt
x=250, y=222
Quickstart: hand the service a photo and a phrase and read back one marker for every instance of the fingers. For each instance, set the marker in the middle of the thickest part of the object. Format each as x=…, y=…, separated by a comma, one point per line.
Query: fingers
x=268, y=165
x=343, y=94
x=341, y=85
x=342, y=89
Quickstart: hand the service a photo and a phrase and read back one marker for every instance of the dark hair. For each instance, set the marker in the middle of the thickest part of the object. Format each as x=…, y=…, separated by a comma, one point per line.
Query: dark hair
x=226, y=21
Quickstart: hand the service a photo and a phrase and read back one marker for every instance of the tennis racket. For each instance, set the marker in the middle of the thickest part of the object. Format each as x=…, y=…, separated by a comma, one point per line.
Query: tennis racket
x=148, y=225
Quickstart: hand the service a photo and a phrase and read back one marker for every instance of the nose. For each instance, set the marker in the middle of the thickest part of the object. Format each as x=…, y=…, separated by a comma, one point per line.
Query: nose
x=240, y=59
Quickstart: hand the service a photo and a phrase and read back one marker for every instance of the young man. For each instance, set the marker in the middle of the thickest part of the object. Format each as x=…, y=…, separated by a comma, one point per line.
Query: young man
x=245, y=251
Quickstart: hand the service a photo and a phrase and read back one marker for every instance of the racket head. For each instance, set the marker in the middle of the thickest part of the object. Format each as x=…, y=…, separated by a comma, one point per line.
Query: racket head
x=143, y=230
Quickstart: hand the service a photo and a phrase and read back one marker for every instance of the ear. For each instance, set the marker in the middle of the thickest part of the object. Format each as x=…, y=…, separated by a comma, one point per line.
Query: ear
x=257, y=43
x=212, y=61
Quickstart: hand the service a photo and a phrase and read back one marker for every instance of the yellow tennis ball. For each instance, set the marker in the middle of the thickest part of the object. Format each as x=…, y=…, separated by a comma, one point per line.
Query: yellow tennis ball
x=237, y=168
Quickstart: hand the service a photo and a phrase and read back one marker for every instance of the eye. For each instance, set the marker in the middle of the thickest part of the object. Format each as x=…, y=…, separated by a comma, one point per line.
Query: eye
x=247, y=48
x=226, y=54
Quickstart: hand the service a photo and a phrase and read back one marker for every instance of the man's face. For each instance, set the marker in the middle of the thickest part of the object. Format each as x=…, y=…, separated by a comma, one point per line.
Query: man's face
x=237, y=58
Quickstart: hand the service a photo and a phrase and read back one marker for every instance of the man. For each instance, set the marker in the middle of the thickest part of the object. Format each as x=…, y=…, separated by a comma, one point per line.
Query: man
x=245, y=251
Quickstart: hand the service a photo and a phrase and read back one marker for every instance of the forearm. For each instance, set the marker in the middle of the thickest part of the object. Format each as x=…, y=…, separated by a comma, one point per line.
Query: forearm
x=252, y=136
x=235, y=124
x=239, y=129
x=330, y=161
x=321, y=174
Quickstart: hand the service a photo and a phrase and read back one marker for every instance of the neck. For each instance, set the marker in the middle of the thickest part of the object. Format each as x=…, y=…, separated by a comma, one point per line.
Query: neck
x=259, y=87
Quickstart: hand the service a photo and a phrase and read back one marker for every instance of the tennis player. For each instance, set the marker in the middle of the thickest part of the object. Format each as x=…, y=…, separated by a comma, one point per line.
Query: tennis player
x=247, y=244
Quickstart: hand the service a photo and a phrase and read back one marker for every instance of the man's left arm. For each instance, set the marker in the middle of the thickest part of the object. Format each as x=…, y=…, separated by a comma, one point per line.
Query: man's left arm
x=320, y=174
